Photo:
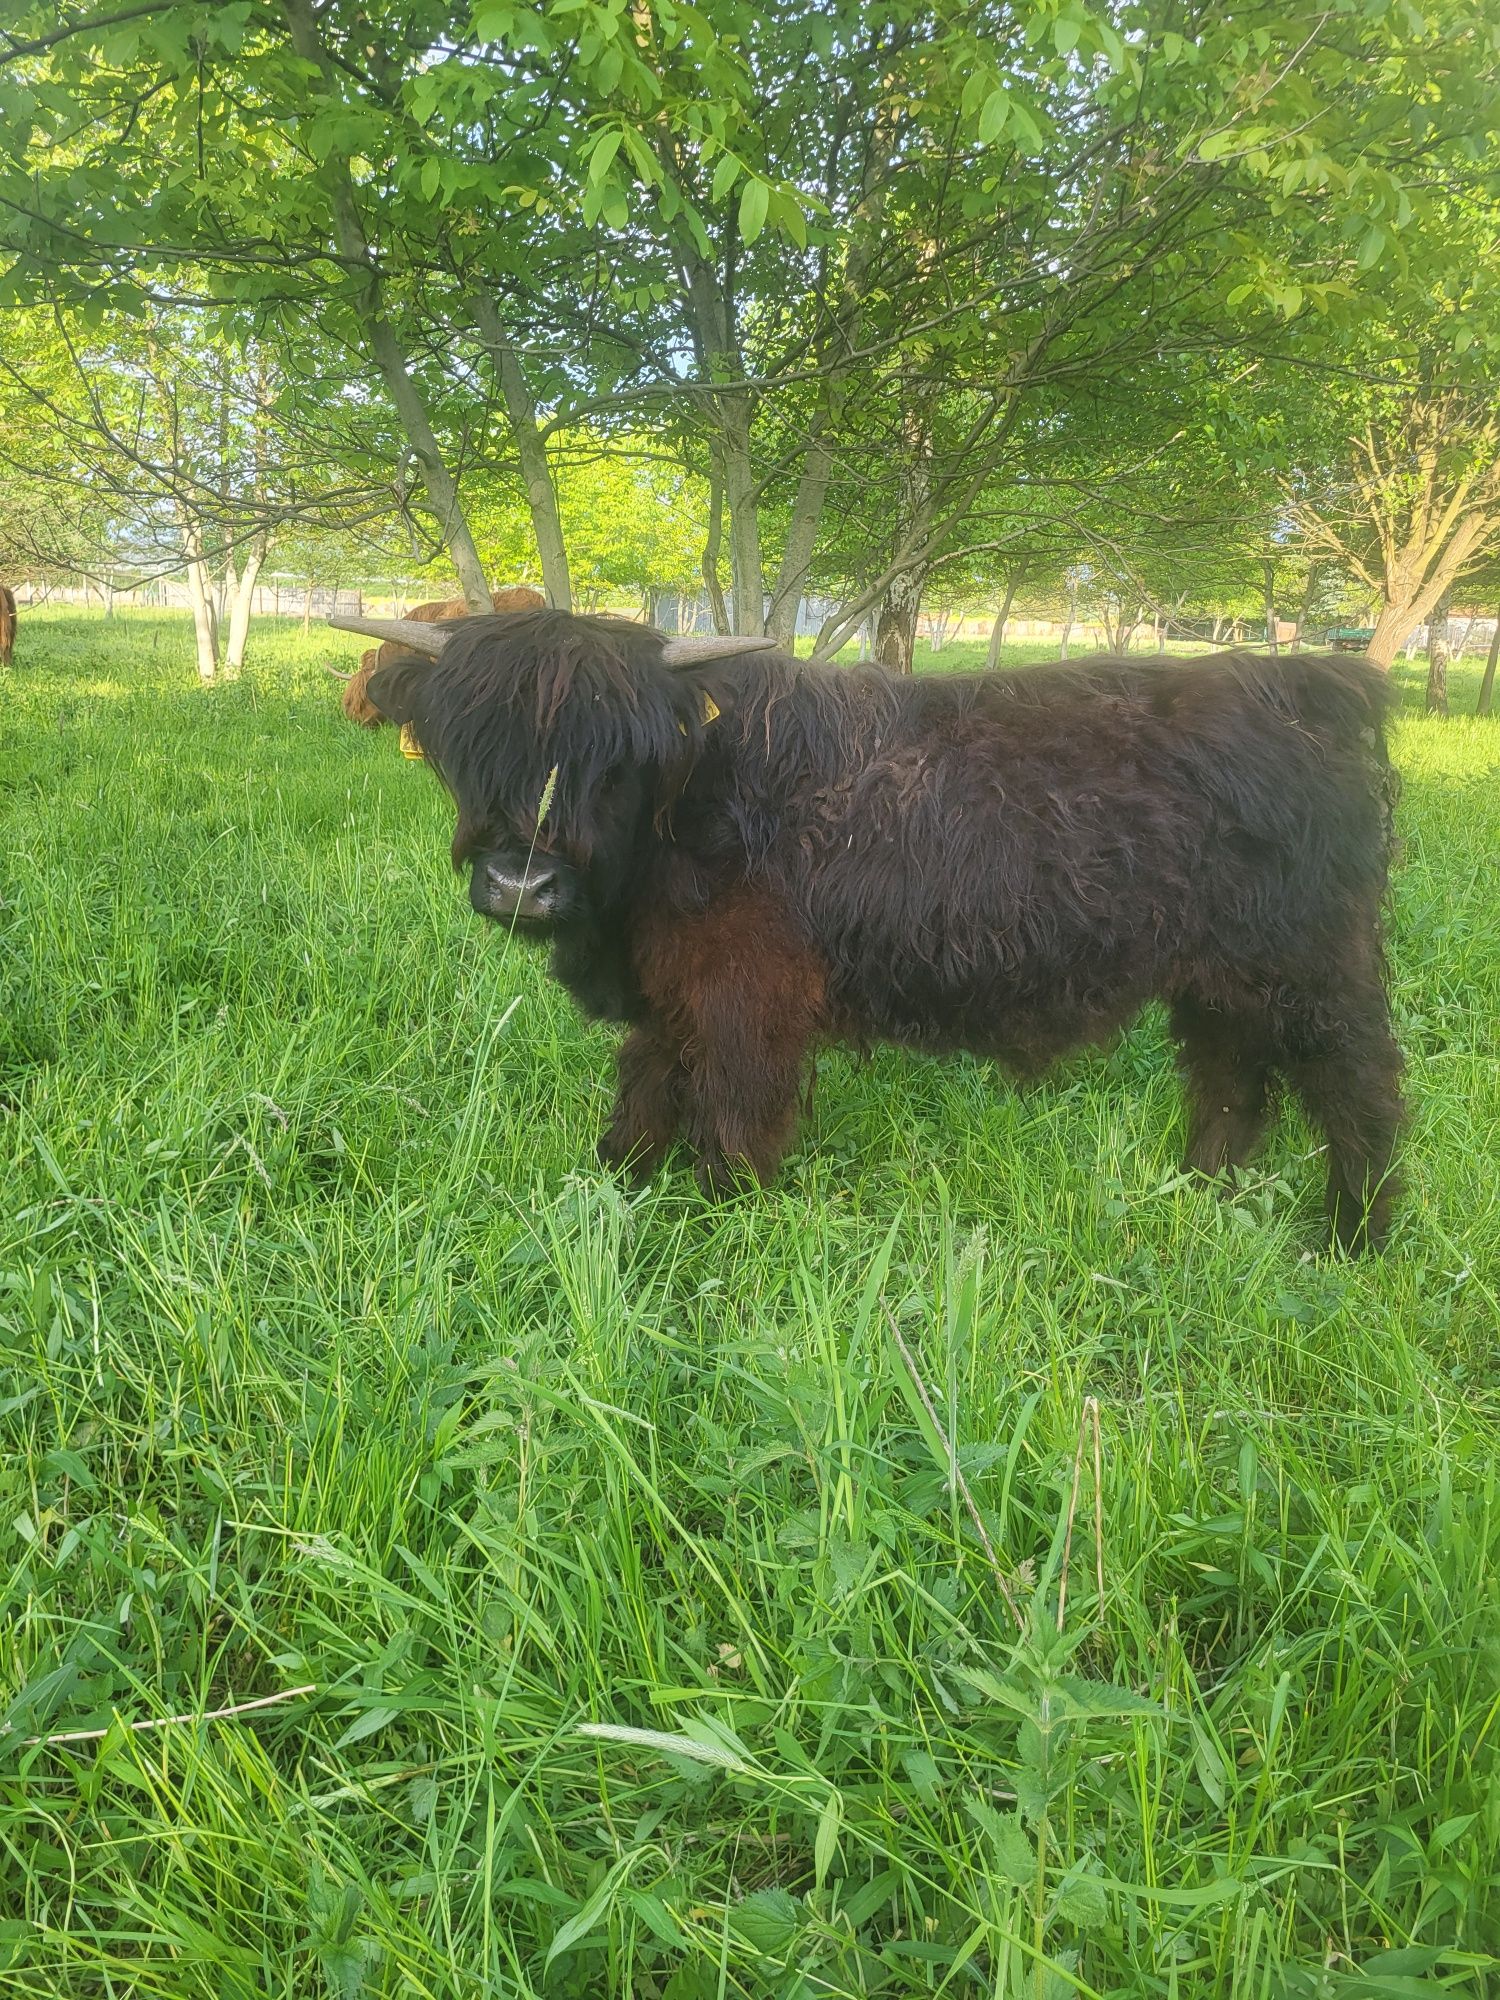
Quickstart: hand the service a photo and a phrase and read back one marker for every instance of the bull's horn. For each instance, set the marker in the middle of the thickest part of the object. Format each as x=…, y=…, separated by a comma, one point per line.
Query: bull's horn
x=408, y=632
x=696, y=652
x=330, y=668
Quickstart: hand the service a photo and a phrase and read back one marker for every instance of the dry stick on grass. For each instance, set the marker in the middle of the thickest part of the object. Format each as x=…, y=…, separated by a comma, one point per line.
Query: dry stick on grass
x=955, y=1472
x=1089, y=1416
x=175, y=1721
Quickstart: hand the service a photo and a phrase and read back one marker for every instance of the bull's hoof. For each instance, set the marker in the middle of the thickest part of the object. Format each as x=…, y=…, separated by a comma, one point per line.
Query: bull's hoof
x=636, y=1161
x=721, y=1179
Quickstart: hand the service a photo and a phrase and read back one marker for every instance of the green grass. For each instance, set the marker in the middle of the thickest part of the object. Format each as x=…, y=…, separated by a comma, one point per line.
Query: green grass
x=327, y=1357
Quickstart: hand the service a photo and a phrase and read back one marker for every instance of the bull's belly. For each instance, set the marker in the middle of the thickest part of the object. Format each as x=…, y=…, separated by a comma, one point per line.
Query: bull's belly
x=995, y=1016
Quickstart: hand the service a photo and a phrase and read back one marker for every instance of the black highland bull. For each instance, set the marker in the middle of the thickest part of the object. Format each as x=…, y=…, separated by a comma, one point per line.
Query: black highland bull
x=744, y=855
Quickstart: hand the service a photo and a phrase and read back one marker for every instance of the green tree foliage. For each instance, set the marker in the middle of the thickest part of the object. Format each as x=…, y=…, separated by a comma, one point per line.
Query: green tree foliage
x=851, y=269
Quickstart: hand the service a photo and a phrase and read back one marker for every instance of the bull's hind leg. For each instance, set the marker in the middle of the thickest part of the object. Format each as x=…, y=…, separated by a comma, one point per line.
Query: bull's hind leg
x=743, y=998
x=1343, y=1062
x=1225, y=1062
x=648, y=1102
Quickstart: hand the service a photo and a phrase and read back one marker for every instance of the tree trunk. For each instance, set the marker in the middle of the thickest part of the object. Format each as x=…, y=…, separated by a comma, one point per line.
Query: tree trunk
x=1407, y=602
x=901, y=601
x=1268, y=580
x=241, y=600
x=307, y=598
x=385, y=348
x=812, y=487
x=1118, y=629
x=1067, y=633
x=896, y=626
x=997, y=630
x=747, y=578
x=801, y=541
x=713, y=541
x=205, y=624
x=1487, y=685
x=531, y=448
x=1392, y=626
x=1315, y=570
x=716, y=347
x=1437, y=658
x=939, y=625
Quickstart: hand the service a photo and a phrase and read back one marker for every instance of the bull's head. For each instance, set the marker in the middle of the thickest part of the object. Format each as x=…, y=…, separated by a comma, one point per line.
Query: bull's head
x=561, y=739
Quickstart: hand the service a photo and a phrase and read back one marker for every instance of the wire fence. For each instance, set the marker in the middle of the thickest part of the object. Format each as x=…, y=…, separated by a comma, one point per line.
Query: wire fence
x=286, y=596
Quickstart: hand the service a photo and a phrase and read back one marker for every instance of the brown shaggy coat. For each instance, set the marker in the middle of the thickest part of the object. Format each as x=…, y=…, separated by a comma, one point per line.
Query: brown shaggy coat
x=7, y=624
x=357, y=704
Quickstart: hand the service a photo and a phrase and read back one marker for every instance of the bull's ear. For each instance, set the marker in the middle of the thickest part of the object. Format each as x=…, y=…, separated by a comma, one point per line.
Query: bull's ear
x=393, y=689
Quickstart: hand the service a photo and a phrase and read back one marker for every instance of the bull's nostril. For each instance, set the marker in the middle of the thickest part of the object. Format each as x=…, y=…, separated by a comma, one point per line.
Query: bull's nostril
x=529, y=883
x=517, y=890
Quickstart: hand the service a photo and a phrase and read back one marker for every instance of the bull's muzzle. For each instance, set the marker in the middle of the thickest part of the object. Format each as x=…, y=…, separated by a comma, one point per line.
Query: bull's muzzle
x=529, y=893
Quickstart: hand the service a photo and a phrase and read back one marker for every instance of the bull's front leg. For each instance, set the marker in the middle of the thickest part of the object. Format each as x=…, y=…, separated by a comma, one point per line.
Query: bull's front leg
x=743, y=998
x=648, y=1102
x=742, y=1097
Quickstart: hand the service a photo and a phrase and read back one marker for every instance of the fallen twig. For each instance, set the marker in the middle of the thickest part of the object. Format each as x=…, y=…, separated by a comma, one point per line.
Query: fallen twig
x=175, y=1721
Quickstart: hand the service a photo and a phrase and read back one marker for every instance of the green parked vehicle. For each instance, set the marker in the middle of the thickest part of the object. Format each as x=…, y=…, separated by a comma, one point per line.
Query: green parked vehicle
x=1350, y=638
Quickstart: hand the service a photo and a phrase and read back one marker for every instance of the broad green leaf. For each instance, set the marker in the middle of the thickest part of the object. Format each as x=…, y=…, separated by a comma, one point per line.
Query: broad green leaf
x=769, y=1919
x=1011, y=1847
x=1371, y=248
x=366, y=1725
x=789, y=217
x=826, y=1841
x=726, y=173
x=872, y=1896
x=1074, y=1697
x=602, y=157
x=1082, y=1901
x=755, y=201
x=994, y=116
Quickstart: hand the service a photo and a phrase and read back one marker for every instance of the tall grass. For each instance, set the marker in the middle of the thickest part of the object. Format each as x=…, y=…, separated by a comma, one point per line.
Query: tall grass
x=654, y=1649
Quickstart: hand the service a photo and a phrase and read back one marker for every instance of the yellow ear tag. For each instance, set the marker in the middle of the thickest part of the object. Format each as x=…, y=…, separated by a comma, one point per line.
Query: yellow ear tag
x=410, y=747
x=711, y=712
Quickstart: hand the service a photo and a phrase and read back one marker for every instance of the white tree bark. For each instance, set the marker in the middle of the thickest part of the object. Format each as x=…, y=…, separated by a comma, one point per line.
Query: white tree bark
x=242, y=597
x=201, y=596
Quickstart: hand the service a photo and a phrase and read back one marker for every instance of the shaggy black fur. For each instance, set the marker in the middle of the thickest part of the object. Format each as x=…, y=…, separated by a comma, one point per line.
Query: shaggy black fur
x=1012, y=863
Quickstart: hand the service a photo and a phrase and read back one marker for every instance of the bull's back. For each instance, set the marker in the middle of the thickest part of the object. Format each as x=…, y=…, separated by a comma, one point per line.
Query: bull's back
x=1065, y=839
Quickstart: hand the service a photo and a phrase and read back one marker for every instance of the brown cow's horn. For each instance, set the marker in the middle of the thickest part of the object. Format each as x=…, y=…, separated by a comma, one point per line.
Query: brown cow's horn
x=330, y=668
x=696, y=652
x=408, y=632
